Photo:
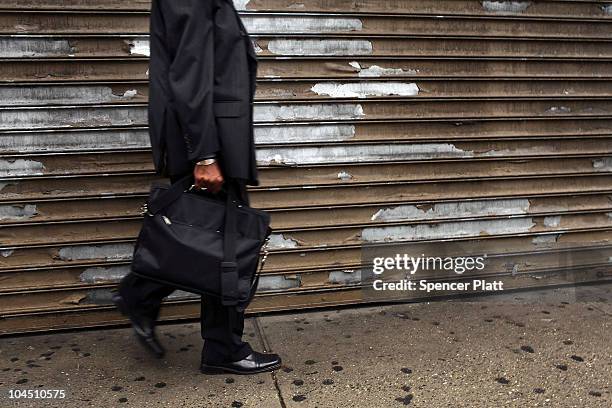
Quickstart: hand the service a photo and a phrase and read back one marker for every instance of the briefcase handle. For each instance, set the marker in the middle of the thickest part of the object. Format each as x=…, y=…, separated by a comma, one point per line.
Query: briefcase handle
x=170, y=195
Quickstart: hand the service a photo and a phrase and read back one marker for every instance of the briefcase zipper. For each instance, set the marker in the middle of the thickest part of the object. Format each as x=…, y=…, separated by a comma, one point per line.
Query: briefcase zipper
x=264, y=247
x=166, y=220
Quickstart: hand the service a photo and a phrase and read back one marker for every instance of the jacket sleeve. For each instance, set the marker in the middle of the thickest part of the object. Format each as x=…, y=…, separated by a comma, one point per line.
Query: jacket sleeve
x=189, y=29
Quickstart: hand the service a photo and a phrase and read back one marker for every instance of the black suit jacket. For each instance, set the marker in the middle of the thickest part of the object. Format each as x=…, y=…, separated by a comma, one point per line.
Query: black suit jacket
x=202, y=82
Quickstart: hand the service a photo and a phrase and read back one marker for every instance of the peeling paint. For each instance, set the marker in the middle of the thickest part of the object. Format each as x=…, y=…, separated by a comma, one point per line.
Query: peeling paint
x=38, y=95
x=447, y=230
x=546, y=239
x=364, y=89
x=109, y=252
x=25, y=28
x=552, y=221
x=293, y=134
x=358, y=154
x=299, y=6
x=98, y=274
x=96, y=296
x=35, y=47
x=256, y=46
x=78, y=140
x=345, y=277
x=57, y=118
x=17, y=212
x=269, y=113
x=453, y=210
x=506, y=6
x=343, y=175
x=139, y=47
x=559, y=109
x=293, y=25
x=20, y=167
x=604, y=164
x=241, y=4
x=129, y=94
x=6, y=253
x=320, y=47
x=550, y=206
x=512, y=267
x=279, y=241
x=505, y=152
x=277, y=283
x=376, y=71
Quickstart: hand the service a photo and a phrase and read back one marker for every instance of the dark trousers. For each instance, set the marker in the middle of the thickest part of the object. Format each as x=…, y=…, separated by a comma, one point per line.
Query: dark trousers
x=221, y=326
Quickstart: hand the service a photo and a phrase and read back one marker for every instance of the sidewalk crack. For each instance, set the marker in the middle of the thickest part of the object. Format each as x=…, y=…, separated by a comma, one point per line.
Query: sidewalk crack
x=267, y=349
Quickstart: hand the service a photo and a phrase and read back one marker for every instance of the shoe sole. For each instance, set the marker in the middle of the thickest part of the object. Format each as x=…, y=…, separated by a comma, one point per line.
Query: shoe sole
x=224, y=370
x=122, y=307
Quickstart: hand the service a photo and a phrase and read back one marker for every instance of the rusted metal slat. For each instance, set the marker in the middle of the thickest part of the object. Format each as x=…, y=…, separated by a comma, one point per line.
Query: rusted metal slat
x=406, y=168
x=418, y=47
x=429, y=191
x=561, y=8
x=45, y=22
x=393, y=131
x=124, y=208
x=114, y=69
x=456, y=88
x=17, y=167
x=376, y=153
x=28, y=46
x=298, y=196
x=395, y=230
x=121, y=93
x=136, y=115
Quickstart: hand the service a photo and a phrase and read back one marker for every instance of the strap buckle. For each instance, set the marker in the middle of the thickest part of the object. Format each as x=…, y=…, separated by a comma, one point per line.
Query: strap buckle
x=229, y=283
x=229, y=266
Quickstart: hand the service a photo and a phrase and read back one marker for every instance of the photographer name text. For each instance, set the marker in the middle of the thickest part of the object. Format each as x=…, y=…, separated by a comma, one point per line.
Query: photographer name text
x=424, y=285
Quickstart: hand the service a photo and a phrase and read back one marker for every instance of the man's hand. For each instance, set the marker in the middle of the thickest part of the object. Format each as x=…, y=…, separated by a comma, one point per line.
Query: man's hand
x=208, y=177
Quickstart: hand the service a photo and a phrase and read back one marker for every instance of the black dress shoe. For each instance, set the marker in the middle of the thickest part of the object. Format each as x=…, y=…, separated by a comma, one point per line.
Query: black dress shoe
x=252, y=364
x=143, y=327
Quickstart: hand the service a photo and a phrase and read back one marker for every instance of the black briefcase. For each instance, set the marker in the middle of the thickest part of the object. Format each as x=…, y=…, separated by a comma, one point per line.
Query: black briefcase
x=202, y=243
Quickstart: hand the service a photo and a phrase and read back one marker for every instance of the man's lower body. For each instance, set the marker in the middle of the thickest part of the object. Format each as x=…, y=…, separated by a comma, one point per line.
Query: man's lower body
x=222, y=326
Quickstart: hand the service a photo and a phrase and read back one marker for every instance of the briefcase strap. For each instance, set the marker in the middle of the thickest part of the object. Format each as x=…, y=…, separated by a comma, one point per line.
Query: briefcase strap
x=171, y=195
x=229, y=267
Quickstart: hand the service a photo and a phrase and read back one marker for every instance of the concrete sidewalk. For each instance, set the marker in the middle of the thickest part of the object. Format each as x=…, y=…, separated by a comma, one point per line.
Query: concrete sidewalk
x=502, y=352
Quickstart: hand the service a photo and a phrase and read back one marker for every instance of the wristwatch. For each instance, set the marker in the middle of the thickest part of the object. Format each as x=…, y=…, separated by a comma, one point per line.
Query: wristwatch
x=206, y=162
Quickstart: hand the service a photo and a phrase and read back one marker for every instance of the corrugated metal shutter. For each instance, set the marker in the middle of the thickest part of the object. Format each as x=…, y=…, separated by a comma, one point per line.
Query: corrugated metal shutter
x=377, y=120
